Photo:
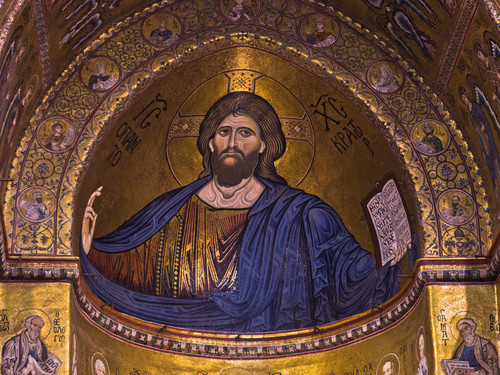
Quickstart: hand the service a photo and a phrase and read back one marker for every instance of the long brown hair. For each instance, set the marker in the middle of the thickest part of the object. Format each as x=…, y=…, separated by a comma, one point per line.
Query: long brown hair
x=262, y=113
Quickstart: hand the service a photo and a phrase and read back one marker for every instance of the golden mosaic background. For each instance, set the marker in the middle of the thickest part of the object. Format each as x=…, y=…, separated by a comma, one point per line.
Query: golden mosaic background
x=125, y=138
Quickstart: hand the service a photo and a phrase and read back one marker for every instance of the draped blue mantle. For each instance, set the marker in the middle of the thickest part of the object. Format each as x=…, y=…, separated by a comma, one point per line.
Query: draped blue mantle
x=298, y=267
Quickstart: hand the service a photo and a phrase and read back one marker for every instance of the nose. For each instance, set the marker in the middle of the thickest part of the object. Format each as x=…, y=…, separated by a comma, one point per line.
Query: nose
x=233, y=142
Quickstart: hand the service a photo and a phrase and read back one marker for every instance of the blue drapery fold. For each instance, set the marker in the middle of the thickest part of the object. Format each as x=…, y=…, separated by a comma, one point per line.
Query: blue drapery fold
x=298, y=267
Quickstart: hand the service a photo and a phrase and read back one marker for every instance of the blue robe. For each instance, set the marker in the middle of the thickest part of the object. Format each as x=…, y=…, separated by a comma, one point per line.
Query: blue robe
x=298, y=267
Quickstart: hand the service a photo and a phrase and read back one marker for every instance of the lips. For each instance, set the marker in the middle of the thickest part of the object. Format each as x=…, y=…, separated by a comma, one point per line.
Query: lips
x=227, y=153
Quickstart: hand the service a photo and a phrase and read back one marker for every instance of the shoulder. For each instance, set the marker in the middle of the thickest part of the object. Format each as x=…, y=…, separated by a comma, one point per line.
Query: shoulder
x=315, y=211
x=13, y=341
x=283, y=192
x=485, y=342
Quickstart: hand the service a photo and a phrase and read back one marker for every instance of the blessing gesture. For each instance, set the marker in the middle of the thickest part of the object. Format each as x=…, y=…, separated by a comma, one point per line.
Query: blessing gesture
x=89, y=219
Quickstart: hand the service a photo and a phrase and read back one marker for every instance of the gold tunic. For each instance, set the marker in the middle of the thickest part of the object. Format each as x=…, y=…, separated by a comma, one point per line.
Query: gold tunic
x=193, y=256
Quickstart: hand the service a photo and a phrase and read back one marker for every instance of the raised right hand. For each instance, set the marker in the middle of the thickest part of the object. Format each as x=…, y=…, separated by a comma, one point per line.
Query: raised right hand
x=88, y=224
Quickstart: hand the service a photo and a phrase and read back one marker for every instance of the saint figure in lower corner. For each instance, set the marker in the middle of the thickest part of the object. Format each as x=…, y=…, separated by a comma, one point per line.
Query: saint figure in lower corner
x=26, y=353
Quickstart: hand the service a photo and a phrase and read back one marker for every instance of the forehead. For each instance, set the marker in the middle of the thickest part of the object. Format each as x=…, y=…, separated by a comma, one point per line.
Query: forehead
x=239, y=121
x=37, y=321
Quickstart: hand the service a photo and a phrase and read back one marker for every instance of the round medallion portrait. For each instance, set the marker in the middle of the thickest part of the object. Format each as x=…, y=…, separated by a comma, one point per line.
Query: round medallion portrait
x=430, y=137
x=389, y=365
x=36, y=204
x=239, y=10
x=319, y=31
x=99, y=364
x=56, y=134
x=455, y=207
x=161, y=30
x=384, y=77
x=100, y=73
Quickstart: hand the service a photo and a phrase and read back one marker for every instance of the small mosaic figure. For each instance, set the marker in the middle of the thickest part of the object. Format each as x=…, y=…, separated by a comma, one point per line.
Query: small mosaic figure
x=455, y=213
x=26, y=353
x=35, y=210
x=102, y=80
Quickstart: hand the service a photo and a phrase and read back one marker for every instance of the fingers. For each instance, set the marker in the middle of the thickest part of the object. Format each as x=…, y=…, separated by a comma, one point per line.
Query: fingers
x=90, y=214
x=400, y=251
x=93, y=226
x=95, y=194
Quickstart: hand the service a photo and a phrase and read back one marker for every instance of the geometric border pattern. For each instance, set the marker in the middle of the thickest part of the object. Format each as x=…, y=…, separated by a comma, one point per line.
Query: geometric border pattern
x=163, y=343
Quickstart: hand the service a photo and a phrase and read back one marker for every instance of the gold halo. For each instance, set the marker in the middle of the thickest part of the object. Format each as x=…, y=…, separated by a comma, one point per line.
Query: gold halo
x=420, y=332
x=478, y=319
x=374, y=71
x=440, y=131
x=184, y=129
x=95, y=357
x=45, y=130
x=22, y=315
x=48, y=199
x=90, y=66
x=386, y=358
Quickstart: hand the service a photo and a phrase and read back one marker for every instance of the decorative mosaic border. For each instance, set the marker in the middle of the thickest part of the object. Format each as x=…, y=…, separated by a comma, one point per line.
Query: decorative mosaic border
x=239, y=350
x=8, y=22
x=243, y=348
x=42, y=273
x=454, y=47
x=43, y=42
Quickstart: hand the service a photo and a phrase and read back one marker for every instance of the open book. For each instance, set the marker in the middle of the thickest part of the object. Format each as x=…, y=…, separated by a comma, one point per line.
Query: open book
x=456, y=367
x=390, y=226
x=47, y=367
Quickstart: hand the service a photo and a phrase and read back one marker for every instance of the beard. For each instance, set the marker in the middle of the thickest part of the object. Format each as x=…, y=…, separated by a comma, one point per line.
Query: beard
x=33, y=335
x=231, y=174
x=469, y=339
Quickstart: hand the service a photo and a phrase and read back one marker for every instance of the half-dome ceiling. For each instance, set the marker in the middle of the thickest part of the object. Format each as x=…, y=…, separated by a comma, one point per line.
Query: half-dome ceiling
x=375, y=135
